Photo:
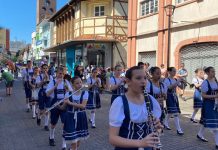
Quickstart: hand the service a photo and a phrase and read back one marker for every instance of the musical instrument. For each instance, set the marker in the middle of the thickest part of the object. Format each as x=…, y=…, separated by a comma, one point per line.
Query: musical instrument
x=191, y=85
x=151, y=117
x=61, y=101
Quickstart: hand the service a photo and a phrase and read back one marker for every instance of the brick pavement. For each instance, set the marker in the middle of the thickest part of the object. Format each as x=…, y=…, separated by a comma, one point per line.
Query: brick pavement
x=18, y=131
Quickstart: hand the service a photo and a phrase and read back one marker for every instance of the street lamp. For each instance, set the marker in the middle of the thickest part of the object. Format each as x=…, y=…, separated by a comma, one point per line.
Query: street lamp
x=169, y=9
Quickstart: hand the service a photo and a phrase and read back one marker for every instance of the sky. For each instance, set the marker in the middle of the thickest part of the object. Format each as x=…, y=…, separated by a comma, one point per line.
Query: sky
x=20, y=17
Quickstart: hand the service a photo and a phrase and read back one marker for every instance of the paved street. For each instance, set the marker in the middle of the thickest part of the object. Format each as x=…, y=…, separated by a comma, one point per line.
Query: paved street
x=18, y=131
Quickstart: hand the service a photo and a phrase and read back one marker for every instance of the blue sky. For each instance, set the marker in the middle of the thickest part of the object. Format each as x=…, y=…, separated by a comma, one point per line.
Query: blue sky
x=20, y=17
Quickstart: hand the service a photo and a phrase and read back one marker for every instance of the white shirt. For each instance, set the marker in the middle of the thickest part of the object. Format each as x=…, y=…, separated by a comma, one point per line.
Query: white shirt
x=60, y=86
x=25, y=74
x=118, y=81
x=156, y=90
x=167, y=82
x=93, y=80
x=204, y=86
x=76, y=98
x=197, y=80
x=138, y=113
x=39, y=79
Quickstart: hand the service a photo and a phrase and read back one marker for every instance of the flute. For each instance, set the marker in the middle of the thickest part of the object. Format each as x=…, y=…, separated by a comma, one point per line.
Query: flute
x=61, y=101
x=151, y=120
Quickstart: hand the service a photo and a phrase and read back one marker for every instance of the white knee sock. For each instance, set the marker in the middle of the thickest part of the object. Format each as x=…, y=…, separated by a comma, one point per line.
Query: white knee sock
x=177, y=123
x=64, y=145
x=28, y=105
x=166, y=120
x=194, y=113
x=52, y=131
x=34, y=110
x=93, y=117
x=46, y=119
x=201, y=131
x=216, y=136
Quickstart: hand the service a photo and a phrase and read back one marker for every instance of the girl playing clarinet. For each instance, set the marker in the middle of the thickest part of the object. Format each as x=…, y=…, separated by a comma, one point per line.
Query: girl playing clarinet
x=172, y=101
x=117, y=83
x=197, y=81
x=209, y=114
x=75, y=124
x=129, y=115
x=94, y=83
x=157, y=89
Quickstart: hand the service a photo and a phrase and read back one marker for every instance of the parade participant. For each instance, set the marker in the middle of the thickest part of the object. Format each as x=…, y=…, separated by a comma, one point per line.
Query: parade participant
x=209, y=114
x=32, y=83
x=197, y=81
x=157, y=89
x=94, y=101
x=172, y=101
x=129, y=115
x=44, y=102
x=27, y=73
x=56, y=90
x=117, y=83
x=9, y=80
x=75, y=125
x=182, y=74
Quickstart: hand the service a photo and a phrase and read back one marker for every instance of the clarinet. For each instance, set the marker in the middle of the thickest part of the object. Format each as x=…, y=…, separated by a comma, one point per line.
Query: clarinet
x=151, y=117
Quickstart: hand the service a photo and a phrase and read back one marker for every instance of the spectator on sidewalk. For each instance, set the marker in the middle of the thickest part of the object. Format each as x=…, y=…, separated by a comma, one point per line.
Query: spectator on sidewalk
x=9, y=79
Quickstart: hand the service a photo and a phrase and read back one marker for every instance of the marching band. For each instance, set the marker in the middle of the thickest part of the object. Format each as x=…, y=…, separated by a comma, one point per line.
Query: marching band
x=142, y=103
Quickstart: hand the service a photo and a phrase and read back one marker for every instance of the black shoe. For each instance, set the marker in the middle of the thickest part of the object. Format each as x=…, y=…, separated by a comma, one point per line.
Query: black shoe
x=216, y=146
x=28, y=110
x=167, y=128
x=38, y=121
x=51, y=142
x=46, y=128
x=34, y=117
x=93, y=125
x=193, y=120
x=64, y=148
x=202, y=139
x=90, y=121
x=180, y=132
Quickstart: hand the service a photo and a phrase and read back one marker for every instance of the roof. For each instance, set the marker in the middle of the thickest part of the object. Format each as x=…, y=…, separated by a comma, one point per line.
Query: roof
x=80, y=40
x=53, y=17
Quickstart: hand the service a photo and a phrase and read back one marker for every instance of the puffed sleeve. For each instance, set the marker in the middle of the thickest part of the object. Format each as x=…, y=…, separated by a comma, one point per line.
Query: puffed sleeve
x=204, y=86
x=156, y=107
x=194, y=81
x=116, y=114
x=166, y=82
x=50, y=86
x=86, y=95
x=112, y=81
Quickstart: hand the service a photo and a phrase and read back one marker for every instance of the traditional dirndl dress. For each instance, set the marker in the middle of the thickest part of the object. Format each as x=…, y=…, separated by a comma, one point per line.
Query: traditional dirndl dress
x=118, y=92
x=172, y=101
x=94, y=100
x=75, y=124
x=131, y=130
x=209, y=116
x=197, y=98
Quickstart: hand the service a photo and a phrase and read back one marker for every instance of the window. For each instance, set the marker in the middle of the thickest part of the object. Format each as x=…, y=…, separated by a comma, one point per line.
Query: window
x=180, y=1
x=149, y=7
x=99, y=10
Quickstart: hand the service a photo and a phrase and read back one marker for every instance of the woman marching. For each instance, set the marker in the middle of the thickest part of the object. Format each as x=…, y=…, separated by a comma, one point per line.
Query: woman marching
x=32, y=83
x=157, y=89
x=172, y=101
x=75, y=124
x=197, y=81
x=94, y=83
x=129, y=118
x=209, y=114
x=117, y=83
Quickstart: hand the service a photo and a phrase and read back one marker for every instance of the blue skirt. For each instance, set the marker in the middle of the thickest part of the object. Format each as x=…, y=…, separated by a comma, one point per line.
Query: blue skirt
x=209, y=116
x=172, y=103
x=93, y=103
x=75, y=127
x=197, y=99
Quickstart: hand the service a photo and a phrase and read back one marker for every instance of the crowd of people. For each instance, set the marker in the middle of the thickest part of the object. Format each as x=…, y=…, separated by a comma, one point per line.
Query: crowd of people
x=143, y=100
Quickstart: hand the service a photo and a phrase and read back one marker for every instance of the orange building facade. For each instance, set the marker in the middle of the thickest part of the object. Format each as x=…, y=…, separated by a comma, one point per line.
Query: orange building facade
x=194, y=34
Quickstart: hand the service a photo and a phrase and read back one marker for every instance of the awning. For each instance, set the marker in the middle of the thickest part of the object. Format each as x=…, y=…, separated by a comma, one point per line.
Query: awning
x=80, y=40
